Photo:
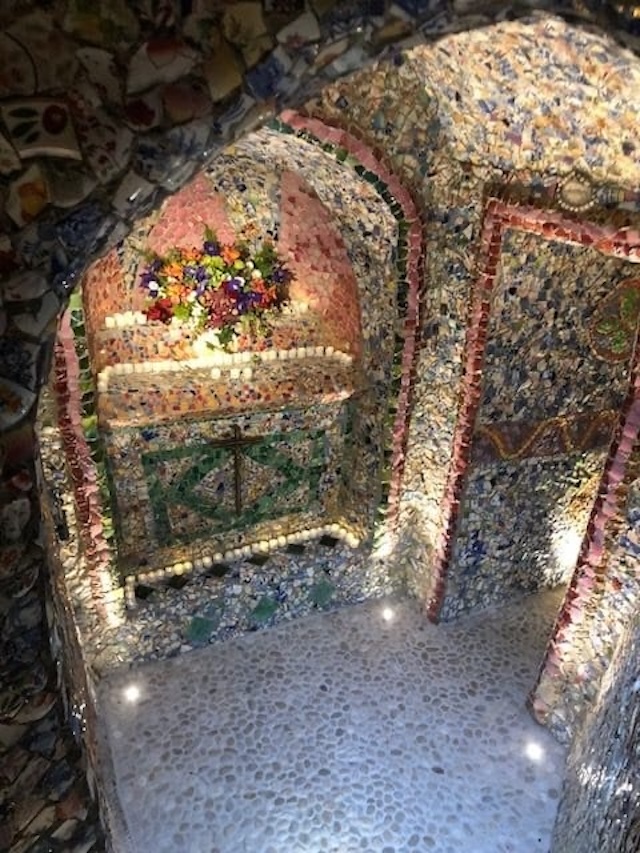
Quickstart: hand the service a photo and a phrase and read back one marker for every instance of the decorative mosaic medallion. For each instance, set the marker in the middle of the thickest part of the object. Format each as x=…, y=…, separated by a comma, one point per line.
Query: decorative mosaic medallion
x=576, y=193
x=614, y=326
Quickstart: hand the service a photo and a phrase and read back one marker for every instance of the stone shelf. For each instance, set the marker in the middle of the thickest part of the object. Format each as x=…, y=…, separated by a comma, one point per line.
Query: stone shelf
x=136, y=398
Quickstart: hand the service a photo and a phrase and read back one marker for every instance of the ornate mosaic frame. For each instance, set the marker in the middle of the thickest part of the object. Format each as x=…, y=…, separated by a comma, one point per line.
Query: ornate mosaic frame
x=344, y=147
x=616, y=237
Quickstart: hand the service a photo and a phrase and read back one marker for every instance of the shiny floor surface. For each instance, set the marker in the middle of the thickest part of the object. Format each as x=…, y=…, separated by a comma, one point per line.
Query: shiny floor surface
x=367, y=729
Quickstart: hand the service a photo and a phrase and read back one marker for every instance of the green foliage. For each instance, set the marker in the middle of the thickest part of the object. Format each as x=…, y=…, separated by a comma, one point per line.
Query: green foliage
x=630, y=306
x=226, y=335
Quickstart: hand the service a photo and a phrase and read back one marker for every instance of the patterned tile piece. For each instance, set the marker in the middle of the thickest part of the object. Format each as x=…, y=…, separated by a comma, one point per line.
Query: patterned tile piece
x=28, y=195
x=40, y=127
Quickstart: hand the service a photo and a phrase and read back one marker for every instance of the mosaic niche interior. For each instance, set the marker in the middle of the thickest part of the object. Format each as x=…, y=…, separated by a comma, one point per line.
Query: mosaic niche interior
x=208, y=450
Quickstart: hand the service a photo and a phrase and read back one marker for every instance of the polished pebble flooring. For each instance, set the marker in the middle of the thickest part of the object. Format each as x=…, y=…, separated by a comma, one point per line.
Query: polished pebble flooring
x=365, y=729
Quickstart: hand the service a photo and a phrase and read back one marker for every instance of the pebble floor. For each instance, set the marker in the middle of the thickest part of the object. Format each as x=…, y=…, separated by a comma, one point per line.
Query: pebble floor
x=365, y=729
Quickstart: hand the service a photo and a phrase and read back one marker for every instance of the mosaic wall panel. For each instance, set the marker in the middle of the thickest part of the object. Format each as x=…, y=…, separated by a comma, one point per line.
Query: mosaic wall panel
x=555, y=375
x=600, y=805
x=156, y=397
x=223, y=482
x=521, y=527
x=542, y=359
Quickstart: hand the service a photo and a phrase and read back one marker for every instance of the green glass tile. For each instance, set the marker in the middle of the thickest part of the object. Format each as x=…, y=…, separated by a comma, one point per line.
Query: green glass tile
x=264, y=610
x=199, y=629
x=321, y=593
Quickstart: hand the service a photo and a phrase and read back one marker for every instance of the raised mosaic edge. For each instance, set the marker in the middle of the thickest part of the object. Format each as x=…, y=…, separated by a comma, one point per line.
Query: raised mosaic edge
x=348, y=148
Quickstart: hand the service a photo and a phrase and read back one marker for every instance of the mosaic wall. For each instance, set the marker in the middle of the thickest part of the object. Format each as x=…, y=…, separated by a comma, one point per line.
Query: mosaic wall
x=106, y=119
x=216, y=482
x=600, y=805
x=555, y=373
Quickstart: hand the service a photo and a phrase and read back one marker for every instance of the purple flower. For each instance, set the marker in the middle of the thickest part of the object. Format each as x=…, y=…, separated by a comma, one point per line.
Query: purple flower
x=244, y=302
x=280, y=275
x=201, y=274
x=233, y=286
x=211, y=248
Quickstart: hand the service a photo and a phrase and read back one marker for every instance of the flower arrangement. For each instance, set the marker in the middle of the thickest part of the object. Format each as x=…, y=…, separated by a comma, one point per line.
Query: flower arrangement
x=222, y=289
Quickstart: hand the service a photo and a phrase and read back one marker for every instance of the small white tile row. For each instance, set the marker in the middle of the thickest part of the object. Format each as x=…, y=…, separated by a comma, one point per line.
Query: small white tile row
x=238, y=363
x=125, y=320
x=264, y=546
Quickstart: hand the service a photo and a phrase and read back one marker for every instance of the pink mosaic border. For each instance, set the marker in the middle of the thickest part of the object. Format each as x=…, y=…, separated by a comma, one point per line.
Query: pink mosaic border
x=622, y=242
x=81, y=466
x=366, y=157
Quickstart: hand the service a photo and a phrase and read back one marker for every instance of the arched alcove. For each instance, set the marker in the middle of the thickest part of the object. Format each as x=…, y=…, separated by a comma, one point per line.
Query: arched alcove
x=318, y=380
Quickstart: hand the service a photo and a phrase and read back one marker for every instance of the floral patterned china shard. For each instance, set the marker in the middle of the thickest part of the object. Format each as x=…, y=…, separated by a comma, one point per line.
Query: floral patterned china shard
x=41, y=127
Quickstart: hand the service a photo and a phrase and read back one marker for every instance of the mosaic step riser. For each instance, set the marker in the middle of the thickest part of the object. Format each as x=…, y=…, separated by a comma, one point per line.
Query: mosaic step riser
x=247, y=592
x=212, y=559
x=244, y=361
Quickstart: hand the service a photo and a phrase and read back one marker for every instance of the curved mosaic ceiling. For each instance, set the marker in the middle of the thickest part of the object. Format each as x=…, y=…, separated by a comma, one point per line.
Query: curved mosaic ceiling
x=537, y=94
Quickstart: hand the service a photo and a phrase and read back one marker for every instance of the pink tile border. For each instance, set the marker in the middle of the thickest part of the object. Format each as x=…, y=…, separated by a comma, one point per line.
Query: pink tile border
x=81, y=466
x=622, y=242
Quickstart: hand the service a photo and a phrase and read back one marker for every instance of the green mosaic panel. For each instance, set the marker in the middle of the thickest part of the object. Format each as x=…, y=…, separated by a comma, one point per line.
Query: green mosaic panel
x=231, y=484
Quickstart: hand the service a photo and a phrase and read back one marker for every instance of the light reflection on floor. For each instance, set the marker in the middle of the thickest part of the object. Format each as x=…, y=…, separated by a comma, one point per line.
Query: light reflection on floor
x=367, y=729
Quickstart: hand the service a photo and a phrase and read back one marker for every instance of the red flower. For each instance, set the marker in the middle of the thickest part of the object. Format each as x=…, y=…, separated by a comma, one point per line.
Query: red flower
x=162, y=310
x=220, y=307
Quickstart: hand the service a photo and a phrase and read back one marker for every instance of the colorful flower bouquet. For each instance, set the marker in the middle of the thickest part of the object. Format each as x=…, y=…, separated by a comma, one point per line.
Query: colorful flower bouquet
x=220, y=289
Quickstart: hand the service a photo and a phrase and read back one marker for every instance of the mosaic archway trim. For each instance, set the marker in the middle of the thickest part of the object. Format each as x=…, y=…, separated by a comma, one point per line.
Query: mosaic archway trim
x=346, y=146
x=364, y=163
x=621, y=242
x=82, y=470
